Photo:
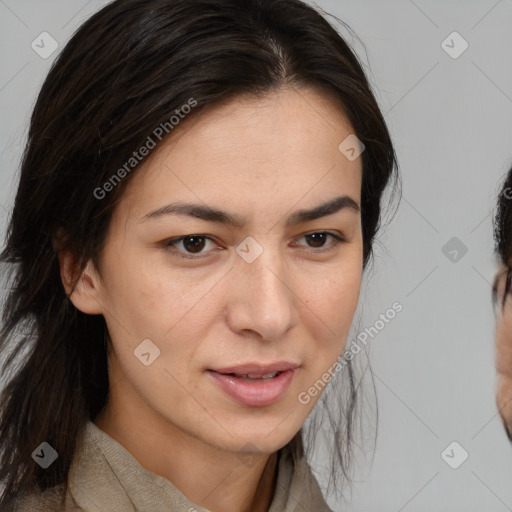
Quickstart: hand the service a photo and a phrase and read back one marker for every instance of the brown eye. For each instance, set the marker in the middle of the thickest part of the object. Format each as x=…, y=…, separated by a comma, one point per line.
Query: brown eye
x=318, y=240
x=191, y=246
x=194, y=244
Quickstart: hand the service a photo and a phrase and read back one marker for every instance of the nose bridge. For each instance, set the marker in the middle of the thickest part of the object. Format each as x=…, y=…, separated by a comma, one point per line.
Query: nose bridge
x=265, y=302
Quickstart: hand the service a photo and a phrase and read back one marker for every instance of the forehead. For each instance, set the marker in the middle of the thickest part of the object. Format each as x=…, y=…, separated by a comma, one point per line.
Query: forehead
x=275, y=149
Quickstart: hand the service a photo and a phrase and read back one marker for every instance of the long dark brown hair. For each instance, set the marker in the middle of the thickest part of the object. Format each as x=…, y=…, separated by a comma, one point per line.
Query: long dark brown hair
x=124, y=72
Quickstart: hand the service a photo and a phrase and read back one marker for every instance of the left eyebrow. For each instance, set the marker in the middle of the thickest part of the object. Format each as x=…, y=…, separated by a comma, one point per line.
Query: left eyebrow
x=208, y=213
x=333, y=206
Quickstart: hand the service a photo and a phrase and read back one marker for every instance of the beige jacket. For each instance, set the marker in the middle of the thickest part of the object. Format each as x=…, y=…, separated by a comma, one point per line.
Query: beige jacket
x=105, y=477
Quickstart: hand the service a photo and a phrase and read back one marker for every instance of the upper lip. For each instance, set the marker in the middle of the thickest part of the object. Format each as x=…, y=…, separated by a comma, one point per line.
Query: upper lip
x=257, y=369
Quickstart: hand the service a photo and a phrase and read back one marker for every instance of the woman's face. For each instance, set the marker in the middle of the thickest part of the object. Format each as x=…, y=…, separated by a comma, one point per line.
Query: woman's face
x=253, y=287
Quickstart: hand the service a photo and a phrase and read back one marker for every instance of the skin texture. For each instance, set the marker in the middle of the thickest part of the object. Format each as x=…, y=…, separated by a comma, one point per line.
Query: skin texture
x=504, y=354
x=262, y=159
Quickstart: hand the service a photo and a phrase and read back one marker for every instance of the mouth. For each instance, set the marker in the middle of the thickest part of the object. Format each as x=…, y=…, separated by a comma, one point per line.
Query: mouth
x=251, y=376
x=255, y=385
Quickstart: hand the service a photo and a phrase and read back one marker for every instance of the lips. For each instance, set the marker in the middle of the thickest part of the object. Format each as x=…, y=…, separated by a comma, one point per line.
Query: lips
x=255, y=385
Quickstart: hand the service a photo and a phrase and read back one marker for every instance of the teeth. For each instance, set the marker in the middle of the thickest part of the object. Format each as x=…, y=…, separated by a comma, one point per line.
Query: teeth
x=253, y=376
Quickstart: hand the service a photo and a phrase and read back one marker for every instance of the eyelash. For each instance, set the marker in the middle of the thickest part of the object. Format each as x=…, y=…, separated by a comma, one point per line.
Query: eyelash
x=172, y=242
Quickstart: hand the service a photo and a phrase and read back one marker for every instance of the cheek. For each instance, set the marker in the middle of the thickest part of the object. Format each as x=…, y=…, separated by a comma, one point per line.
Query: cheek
x=333, y=300
x=150, y=297
x=164, y=307
x=330, y=306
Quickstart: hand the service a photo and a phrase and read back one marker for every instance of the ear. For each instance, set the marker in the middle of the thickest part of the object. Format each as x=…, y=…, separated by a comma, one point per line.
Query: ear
x=83, y=290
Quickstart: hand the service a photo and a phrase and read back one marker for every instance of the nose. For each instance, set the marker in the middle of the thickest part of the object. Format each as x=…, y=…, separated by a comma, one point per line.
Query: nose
x=261, y=297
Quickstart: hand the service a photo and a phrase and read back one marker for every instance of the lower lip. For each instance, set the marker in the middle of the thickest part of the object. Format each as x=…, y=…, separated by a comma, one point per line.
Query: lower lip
x=257, y=392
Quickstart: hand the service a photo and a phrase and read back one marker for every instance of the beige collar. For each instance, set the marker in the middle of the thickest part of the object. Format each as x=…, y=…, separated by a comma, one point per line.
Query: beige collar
x=104, y=477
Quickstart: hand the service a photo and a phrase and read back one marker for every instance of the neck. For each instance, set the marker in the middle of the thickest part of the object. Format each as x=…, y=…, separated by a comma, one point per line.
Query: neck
x=212, y=478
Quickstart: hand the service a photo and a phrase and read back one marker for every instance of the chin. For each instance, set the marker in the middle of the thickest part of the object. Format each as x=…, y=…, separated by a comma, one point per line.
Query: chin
x=268, y=436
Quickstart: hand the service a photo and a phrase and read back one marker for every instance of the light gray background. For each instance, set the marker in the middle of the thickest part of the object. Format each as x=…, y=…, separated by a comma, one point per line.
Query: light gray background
x=451, y=120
